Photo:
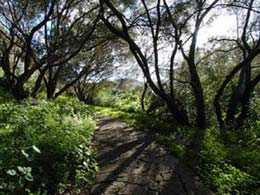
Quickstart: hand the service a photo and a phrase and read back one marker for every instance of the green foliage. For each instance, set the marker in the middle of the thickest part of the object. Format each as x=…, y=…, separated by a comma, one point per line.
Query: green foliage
x=255, y=110
x=222, y=165
x=141, y=120
x=173, y=147
x=176, y=140
x=124, y=101
x=45, y=146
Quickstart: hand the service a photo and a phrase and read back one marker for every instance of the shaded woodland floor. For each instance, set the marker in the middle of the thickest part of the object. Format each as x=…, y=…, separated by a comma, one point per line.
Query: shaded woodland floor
x=132, y=163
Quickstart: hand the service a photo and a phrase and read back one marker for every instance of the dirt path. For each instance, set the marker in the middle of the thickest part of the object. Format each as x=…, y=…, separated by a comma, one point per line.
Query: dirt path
x=131, y=163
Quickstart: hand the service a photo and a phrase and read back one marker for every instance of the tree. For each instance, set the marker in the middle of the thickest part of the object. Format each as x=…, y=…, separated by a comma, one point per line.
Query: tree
x=196, y=16
x=43, y=36
x=98, y=64
x=71, y=30
x=150, y=19
x=248, y=42
x=20, y=22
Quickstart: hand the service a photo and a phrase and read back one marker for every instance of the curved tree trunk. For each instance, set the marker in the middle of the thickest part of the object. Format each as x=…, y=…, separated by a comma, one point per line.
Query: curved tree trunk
x=143, y=96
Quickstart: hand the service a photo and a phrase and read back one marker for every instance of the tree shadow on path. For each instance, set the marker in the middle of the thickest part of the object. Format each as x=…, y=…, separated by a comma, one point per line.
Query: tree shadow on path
x=105, y=159
x=131, y=163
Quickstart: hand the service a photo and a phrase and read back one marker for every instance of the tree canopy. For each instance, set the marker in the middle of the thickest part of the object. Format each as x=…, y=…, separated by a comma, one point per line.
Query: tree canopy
x=58, y=43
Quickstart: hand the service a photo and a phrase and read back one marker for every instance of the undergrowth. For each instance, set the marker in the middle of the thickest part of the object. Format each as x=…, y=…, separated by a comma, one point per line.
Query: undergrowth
x=46, y=146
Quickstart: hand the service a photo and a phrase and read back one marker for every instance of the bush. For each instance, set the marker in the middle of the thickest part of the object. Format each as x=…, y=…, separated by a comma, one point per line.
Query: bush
x=123, y=101
x=220, y=169
x=45, y=146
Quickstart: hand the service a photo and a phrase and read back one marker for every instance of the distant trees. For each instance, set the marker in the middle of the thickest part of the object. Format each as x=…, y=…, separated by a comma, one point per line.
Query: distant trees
x=99, y=67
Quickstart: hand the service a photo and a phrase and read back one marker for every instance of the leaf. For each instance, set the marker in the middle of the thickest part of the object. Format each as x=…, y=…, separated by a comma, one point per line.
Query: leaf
x=96, y=168
x=36, y=149
x=85, y=164
x=24, y=170
x=21, y=169
x=25, y=154
x=11, y=172
x=29, y=177
x=28, y=170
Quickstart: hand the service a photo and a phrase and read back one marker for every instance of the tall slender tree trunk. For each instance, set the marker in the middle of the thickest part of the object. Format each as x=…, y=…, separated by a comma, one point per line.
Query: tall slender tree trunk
x=200, y=107
x=238, y=94
x=198, y=94
x=246, y=100
x=143, y=96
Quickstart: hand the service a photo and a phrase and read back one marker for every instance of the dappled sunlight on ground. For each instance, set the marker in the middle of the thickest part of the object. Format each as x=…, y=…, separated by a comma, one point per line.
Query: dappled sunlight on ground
x=132, y=163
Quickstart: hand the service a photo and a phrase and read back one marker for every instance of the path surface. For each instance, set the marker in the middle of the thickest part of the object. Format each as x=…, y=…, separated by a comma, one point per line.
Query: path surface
x=131, y=163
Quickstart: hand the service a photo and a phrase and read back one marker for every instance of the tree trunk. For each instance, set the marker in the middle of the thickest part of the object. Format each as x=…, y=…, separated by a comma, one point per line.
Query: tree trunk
x=246, y=100
x=18, y=91
x=51, y=87
x=178, y=113
x=38, y=83
x=237, y=95
x=247, y=60
x=143, y=96
x=200, y=107
x=198, y=94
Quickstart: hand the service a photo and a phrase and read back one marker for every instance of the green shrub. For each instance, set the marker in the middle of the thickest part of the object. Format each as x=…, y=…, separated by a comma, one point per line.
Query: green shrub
x=219, y=168
x=45, y=146
x=123, y=101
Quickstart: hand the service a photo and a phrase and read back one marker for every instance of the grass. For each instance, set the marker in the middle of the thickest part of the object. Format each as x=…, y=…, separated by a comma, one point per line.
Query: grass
x=140, y=120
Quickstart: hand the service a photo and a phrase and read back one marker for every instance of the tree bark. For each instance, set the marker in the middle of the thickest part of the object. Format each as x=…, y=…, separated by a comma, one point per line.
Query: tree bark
x=18, y=91
x=247, y=60
x=143, y=96
x=38, y=82
x=246, y=100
